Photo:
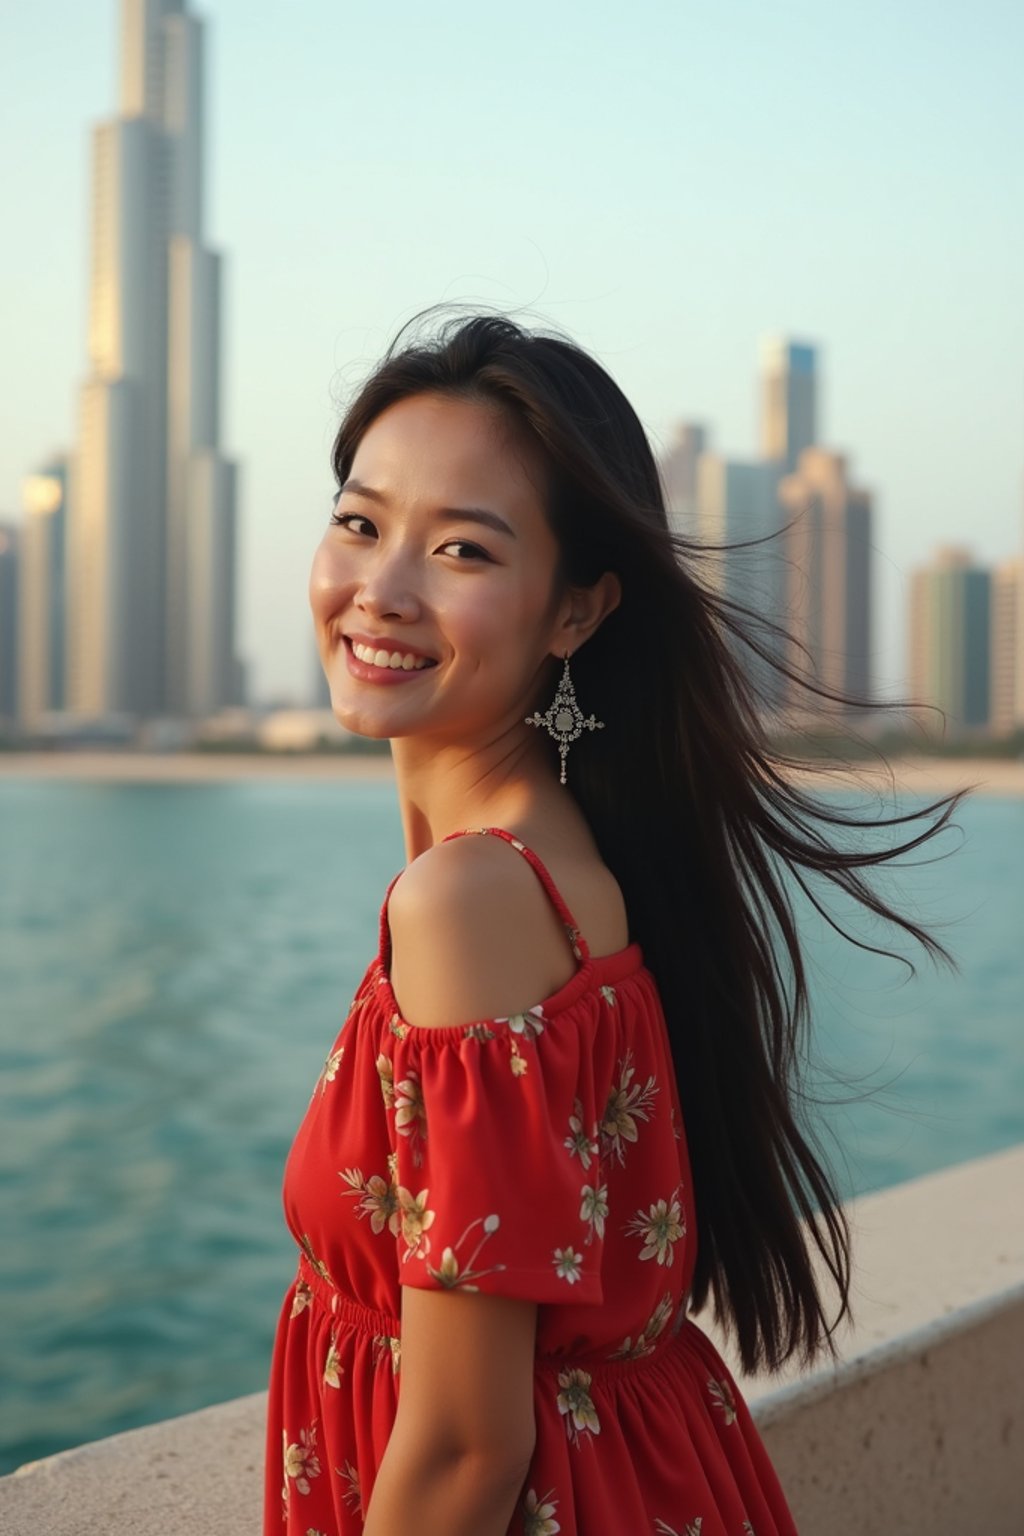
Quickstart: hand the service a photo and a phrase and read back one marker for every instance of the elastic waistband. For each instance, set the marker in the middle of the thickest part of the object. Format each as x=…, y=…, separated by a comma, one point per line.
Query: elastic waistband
x=683, y=1334
x=673, y=1339
x=346, y=1307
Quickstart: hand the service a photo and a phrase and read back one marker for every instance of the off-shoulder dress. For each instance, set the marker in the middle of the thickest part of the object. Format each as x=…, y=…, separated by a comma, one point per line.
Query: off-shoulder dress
x=540, y=1156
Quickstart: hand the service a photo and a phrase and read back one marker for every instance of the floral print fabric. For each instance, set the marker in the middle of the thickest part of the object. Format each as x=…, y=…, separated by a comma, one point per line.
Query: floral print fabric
x=540, y=1156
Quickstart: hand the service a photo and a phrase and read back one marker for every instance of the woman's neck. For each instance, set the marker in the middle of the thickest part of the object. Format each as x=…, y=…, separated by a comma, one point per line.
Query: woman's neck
x=444, y=787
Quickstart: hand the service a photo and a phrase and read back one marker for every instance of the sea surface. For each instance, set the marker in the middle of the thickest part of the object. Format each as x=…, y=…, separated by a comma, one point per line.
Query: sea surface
x=175, y=962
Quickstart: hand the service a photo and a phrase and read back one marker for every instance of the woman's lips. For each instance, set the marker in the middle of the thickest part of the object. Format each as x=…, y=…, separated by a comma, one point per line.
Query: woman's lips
x=367, y=672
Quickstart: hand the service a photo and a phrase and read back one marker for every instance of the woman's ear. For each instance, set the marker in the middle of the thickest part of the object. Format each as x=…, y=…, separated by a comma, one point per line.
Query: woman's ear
x=588, y=606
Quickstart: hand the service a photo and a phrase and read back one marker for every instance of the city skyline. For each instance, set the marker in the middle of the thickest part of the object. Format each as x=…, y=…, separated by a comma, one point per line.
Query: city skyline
x=915, y=312
x=151, y=549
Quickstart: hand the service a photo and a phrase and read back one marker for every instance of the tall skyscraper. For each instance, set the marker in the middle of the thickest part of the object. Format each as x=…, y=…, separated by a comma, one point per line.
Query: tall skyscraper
x=42, y=590
x=678, y=470
x=828, y=592
x=810, y=571
x=950, y=638
x=737, y=501
x=9, y=553
x=151, y=523
x=788, y=399
x=1006, y=647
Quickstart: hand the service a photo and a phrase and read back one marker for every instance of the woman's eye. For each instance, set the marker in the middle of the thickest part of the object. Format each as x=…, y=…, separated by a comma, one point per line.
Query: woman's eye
x=342, y=519
x=475, y=552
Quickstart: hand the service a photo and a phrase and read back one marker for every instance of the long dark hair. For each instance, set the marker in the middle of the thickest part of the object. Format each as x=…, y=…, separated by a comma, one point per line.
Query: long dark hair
x=695, y=812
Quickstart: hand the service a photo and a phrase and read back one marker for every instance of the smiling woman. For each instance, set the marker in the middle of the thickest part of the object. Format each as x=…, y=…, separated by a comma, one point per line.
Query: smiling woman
x=563, y=1108
x=439, y=548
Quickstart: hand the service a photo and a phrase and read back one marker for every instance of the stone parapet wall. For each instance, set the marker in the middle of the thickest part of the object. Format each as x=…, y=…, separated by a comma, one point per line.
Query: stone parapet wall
x=918, y=1429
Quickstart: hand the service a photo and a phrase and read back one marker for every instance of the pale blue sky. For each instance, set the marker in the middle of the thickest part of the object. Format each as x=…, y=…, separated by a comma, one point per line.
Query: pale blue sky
x=666, y=181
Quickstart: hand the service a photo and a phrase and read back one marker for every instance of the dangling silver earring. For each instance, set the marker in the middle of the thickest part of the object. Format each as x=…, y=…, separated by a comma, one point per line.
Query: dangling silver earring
x=563, y=717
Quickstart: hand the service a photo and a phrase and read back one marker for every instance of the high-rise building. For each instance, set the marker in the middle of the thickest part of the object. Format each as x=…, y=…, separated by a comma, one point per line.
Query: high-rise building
x=678, y=470
x=827, y=606
x=42, y=590
x=737, y=501
x=1006, y=647
x=151, y=523
x=9, y=553
x=949, y=638
x=810, y=569
x=788, y=399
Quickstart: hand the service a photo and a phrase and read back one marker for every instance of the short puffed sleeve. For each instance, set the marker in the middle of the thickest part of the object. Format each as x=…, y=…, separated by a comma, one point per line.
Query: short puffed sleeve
x=494, y=1131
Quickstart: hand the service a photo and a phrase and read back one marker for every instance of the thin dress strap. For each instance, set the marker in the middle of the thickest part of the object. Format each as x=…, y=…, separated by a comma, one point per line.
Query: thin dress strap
x=580, y=947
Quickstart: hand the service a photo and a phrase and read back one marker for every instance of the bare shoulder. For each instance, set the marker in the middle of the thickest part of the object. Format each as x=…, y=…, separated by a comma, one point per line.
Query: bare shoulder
x=474, y=935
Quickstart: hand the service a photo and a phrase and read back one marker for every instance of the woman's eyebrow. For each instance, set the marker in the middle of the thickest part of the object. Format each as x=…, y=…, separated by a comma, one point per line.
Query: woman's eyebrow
x=467, y=514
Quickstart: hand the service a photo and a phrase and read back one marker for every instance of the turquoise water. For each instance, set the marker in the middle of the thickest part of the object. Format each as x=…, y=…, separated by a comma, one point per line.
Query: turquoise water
x=175, y=962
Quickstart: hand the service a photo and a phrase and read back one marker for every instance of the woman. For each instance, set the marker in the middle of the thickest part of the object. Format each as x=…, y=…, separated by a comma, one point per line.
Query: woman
x=561, y=1112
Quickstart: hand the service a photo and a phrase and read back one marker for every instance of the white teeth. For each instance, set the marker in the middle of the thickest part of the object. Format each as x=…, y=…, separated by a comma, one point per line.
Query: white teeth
x=396, y=660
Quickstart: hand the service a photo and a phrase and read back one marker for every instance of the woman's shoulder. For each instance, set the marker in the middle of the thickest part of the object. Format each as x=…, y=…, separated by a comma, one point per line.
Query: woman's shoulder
x=457, y=867
x=473, y=934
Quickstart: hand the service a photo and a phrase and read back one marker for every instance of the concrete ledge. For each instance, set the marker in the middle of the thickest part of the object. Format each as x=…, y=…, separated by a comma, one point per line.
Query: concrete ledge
x=200, y=1474
x=917, y=1430
x=920, y=1428
x=922, y=1251
x=923, y=1434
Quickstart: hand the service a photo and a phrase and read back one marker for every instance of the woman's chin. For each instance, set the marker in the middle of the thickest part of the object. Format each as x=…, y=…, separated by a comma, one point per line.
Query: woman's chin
x=357, y=726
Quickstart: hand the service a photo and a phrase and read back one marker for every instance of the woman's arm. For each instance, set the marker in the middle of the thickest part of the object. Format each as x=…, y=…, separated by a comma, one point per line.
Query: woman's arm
x=464, y=1432
x=472, y=936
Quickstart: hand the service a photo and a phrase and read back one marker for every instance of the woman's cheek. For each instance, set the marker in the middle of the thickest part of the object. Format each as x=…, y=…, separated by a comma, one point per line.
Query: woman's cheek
x=480, y=619
x=322, y=584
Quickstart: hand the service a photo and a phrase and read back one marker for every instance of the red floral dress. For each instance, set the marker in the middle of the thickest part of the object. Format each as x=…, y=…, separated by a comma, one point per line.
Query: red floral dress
x=540, y=1156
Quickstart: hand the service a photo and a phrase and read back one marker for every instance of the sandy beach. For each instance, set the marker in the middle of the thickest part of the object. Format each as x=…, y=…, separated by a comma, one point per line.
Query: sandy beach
x=930, y=775
x=916, y=775
x=193, y=767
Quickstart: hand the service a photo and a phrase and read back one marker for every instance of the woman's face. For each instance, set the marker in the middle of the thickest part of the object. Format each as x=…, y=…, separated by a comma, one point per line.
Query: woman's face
x=441, y=553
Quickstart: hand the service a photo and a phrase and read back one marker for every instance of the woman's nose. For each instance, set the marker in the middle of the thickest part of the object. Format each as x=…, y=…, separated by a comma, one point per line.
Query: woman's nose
x=385, y=588
x=378, y=584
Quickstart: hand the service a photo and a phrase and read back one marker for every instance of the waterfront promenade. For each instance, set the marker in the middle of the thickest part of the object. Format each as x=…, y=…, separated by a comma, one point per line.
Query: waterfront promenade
x=917, y=775
x=916, y=1431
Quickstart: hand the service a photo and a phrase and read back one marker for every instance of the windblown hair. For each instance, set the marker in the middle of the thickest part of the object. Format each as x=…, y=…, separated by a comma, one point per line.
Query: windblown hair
x=696, y=813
